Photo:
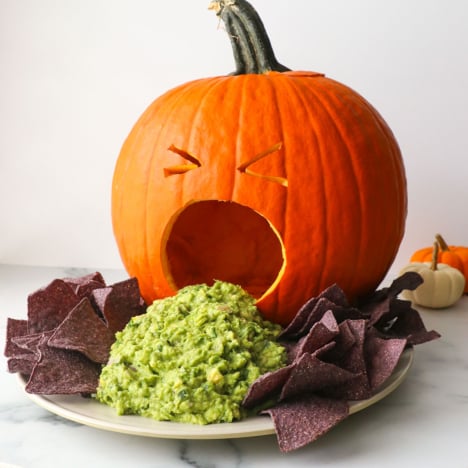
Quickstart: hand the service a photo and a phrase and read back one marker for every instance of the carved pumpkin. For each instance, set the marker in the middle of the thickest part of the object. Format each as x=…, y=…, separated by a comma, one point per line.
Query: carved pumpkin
x=283, y=182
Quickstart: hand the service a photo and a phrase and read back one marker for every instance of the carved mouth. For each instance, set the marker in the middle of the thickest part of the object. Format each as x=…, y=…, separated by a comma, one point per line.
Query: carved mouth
x=212, y=240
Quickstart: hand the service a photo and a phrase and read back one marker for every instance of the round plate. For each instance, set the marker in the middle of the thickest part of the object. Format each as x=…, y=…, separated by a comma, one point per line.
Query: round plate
x=92, y=413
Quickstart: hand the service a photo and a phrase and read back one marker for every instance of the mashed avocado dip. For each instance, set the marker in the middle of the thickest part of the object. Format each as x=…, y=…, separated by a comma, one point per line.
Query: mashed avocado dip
x=191, y=357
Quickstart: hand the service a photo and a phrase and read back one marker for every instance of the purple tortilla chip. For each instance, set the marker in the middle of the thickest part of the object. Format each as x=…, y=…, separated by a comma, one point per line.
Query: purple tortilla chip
x=350, y=356
x=22, y=363
x=324, y=305
x=265, y=387
x=309, y=375
x=119, y=303
x=319, y=335
x=29, y=343
x=409, y=325
x=85, y=279
x=14, y=328
x=297, y=326
x=84, y=285
x=83, y=331
x=382, y=356
x=62, y=372
x=409, y=280
x=303, y=420
x=48, y=306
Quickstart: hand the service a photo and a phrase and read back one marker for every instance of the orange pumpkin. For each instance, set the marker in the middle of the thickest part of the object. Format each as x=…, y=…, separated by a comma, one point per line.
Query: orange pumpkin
x=283, y=182
x=452, y=255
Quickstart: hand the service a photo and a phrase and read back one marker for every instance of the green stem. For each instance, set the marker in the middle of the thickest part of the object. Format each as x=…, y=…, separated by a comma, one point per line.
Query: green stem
x=251, y=46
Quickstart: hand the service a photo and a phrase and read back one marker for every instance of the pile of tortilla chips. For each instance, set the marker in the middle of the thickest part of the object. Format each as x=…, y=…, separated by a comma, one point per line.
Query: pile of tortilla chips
x=69, y=331
x=337, y=354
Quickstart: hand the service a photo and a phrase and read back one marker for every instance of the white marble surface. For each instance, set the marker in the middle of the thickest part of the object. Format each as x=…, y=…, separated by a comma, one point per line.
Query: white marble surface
x=423, y=424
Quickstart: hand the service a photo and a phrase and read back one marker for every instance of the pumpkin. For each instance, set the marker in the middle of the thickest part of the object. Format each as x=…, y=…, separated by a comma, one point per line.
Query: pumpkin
x=442, y=287
x=455, y=256
x=283, y=182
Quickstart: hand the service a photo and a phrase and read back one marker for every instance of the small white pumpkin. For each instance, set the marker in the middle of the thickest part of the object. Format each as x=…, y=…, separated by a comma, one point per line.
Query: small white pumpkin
x=442, y=287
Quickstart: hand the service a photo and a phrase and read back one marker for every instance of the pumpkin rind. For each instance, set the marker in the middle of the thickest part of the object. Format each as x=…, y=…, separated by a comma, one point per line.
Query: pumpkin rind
x=342, y=215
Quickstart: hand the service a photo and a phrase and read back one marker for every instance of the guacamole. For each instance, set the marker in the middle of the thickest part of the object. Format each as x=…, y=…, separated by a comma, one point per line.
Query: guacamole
x=191, y=357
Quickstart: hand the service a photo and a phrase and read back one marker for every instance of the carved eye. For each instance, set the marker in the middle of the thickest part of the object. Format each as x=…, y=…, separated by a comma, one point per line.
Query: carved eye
x=244, y=168
x=192, y=163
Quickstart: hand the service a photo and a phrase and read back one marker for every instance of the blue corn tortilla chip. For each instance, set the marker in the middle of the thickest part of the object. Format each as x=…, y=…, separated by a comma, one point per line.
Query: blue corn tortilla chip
x=62, y=372
x=29, y=343
x=320, y=334
x=48, y=306
x=300, y=421
x=83, y=286
x=348, y=354
x=266, y=387
x=82, y=330
x=382, y=356
x=14, y=328
x=119, y=303
x=311, y=375
x=22, y=363
x=297, y=327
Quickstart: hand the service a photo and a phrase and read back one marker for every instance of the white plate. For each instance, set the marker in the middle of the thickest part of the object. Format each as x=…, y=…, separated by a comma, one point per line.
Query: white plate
x=92, y=413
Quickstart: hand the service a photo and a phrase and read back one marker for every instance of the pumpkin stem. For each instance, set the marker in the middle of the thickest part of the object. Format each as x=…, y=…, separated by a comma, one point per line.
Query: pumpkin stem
x=435, y=256
x=442, y=244
x=251, y=46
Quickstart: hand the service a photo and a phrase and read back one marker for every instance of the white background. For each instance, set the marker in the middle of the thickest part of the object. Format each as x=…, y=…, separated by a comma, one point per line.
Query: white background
x=75, y=76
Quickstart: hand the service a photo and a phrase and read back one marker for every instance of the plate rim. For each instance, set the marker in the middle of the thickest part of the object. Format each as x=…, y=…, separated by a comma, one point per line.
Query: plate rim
x=67, y=407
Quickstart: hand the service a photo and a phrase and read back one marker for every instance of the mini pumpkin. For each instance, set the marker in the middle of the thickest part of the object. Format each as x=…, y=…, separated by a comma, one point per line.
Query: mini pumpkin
x=442, y=287
x=455, y=256
x=281, y=181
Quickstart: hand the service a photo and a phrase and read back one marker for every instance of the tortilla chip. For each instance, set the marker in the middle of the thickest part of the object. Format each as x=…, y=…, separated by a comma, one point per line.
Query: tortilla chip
x=48, y=306
x=14, y=328
x=22, y=363
x=29, y=343
x=309, y=375
x=382, y=356
x=320, y=334
x=86, y=279
x=83, y=331
x=303, y=420
x=119, y=303
x=298, y=325
x=266, y=387
x=62, y=372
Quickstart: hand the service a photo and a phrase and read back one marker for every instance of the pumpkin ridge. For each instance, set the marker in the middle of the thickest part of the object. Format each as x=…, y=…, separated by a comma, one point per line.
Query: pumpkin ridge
x=273, y=85
x=395, y=162
x=273, y=82
x=331, y=103
x=202, y=109
x=122, y=167
x=154, y=159
x=243, y=107
x=305, y=92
